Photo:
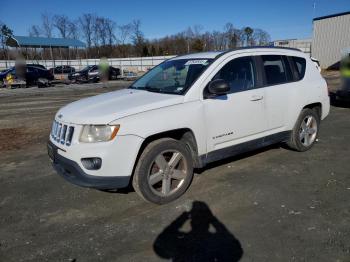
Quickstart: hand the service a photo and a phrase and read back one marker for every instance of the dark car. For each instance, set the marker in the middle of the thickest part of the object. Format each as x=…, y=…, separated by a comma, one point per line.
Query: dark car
x=63, y=69
x=91, y=74
x=37, y=65
x=32, y=75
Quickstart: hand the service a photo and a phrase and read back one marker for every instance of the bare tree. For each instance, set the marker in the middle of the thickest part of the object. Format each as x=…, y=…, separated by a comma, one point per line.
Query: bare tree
x=98, y=34
x=189, y=34
x=261, y=37
x=73, y=30
x=109, y=30
x=47, y=25
x=86, y=22
x=197, y=29
x=62, y=22
x=137, y=37
x=125, y=33
x=34, y=31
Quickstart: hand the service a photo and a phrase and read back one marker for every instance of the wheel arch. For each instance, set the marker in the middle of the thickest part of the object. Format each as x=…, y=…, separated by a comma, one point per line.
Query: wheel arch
x=186, y=135
x=315, y=106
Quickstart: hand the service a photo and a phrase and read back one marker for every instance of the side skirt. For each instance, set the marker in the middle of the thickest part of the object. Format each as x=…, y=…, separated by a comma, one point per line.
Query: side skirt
x=244, y=147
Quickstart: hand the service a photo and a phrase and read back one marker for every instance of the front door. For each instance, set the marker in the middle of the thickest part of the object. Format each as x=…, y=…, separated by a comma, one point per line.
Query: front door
x=240, y=115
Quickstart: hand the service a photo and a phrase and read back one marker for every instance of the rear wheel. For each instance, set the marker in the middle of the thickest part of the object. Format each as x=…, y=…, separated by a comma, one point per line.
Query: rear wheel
x=164, y=171
x=305, y=131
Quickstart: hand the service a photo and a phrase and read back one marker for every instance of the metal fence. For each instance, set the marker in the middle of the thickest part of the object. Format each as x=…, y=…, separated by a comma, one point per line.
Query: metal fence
x=131, y=64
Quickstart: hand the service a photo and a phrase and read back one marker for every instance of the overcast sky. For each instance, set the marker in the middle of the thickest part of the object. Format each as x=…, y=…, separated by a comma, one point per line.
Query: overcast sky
x=282, y=19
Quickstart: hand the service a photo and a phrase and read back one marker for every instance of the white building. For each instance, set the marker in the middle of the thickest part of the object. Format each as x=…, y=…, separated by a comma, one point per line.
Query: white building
x=302, y=44
x=331, y=36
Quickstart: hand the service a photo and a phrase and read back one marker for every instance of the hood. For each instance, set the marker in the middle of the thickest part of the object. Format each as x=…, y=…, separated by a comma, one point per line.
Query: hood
x=104, y=108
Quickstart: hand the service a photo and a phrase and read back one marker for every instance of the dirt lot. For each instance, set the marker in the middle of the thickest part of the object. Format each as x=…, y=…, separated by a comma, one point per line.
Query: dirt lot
x=270, y=205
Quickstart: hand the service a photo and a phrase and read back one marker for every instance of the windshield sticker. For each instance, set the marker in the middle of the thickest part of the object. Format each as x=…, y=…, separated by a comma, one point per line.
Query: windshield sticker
x=196, y=62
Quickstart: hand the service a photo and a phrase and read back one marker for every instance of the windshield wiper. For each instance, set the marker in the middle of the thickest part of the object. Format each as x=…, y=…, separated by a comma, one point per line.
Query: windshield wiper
x=153, y=89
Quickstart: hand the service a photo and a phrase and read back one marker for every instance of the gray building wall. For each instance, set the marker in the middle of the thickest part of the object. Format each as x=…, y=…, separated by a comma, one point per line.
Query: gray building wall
x=330, y=37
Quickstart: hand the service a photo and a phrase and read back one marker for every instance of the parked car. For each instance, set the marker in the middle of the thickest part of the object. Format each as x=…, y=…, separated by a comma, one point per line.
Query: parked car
x=63, y=69
x=91, y=74
x=187, y=112
x=32, y=75
x=128, y=75
x=37, y=65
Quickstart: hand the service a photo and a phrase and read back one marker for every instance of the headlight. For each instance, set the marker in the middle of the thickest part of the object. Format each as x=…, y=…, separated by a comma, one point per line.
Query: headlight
x=98, y=133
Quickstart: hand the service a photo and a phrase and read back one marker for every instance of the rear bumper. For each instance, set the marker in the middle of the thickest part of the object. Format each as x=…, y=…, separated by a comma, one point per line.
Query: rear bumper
x=72, y=172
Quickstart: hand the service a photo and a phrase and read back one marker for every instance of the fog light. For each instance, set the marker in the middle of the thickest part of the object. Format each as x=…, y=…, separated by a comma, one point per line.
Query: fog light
x=92, y=163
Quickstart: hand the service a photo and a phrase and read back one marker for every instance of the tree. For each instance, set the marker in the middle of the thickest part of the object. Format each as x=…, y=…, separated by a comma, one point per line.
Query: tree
x=73, y=30
x=197, y=45
x=5, y=33
x=109, y=30
x=261, y=37
x=125, y=32
x=248, y=32
x=47, y=25
x=35, y=31
x=62, y=23
x=145, y=51
x=137, y=37
x=86, y=22
x=124, y=35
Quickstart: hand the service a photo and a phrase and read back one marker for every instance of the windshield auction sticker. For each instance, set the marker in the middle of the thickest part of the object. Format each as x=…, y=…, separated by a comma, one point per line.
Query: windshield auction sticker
x=196, y=62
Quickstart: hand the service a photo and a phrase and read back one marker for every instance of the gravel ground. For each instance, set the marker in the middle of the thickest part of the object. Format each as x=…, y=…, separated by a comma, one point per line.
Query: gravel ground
x=268, y=205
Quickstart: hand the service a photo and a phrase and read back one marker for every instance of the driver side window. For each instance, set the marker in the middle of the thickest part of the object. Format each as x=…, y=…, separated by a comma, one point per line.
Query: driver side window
x=239, y=73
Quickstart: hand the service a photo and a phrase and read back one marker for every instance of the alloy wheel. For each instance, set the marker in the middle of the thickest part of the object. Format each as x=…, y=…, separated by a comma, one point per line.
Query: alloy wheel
x=308, y=131
x=167, y=173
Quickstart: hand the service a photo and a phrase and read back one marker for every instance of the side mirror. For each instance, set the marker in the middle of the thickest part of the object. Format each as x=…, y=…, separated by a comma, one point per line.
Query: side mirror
x=218, y=87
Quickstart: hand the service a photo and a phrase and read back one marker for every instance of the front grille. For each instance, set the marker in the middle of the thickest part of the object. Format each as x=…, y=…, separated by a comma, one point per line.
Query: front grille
x=62, y=133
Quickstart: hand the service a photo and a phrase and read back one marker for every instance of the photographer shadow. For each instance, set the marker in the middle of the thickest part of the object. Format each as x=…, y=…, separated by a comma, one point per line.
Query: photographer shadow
x=208, y=240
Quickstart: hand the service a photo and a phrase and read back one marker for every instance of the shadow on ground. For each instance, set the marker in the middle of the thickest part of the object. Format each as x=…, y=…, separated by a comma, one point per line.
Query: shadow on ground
x=208, y=239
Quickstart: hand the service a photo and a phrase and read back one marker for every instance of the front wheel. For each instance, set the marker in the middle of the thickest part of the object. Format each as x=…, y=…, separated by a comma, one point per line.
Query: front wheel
x=164, y=171
x=305, y=131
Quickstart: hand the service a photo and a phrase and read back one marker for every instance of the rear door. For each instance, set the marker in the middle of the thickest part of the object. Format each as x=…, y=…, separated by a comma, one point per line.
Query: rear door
x=278, y=82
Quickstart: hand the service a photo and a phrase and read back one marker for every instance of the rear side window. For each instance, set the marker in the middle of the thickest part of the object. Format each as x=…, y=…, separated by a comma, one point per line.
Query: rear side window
x=300, y=66
x=275, y=69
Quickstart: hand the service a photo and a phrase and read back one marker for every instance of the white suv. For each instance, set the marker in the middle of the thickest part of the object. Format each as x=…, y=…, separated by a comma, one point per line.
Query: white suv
x=185, y=113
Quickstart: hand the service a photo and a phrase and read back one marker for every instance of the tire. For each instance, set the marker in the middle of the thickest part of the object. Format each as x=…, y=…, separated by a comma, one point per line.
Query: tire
x=304, y=135
x=152, y=175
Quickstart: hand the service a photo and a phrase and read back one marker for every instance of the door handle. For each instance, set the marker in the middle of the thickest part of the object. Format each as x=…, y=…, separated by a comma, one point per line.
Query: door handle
x=256, y=98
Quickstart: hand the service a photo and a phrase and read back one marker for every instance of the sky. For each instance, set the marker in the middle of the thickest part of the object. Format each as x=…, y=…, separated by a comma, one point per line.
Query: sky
x=282, y=19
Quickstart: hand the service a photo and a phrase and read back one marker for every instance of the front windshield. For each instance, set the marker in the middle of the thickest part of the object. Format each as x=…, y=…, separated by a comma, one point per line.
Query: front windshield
x=173, y=76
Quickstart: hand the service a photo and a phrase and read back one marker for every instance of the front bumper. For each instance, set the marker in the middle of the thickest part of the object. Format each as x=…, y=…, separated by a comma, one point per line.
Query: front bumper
x=72, y=172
